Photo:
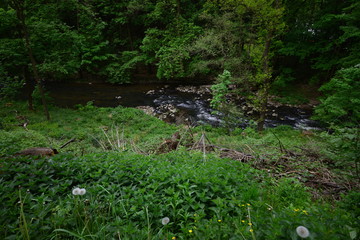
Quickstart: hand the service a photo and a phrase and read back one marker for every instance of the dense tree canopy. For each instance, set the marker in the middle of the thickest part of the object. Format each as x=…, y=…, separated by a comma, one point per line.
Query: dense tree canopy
x=263, y=44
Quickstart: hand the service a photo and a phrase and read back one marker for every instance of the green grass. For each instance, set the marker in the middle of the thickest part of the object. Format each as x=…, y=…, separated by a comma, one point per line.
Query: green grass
x=128, y=194
x=90, y=127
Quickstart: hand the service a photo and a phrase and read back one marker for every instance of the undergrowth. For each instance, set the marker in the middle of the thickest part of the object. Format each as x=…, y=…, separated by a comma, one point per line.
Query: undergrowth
x=132, y=193
x=127, y=196
x=89, y=126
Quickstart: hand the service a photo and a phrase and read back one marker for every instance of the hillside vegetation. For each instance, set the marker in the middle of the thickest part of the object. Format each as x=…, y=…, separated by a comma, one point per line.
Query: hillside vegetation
x=246, y=185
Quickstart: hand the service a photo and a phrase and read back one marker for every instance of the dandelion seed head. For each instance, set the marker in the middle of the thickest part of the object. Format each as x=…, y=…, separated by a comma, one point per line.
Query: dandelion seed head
x=165, y=220
x=82, y=191
x=76, y=191
x=302, y=231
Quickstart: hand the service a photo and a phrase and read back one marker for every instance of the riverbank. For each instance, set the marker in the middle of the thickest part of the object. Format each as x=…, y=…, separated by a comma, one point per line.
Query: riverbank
x=143, y=170
x=180, y=104
x=282, y=151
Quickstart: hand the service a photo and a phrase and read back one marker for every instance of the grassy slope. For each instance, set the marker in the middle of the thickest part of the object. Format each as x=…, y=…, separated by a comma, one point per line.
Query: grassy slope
x=128, y=194
x=86, y=125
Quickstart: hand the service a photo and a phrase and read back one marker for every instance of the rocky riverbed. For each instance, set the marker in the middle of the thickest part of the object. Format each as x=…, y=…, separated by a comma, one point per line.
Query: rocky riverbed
x=177, y=104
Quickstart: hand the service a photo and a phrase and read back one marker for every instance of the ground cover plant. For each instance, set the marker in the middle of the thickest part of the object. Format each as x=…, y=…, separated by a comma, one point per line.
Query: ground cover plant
x=113, y=183
x=128, y=195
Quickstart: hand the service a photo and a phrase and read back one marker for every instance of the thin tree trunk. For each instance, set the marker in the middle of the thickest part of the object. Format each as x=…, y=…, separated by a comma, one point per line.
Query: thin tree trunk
x=130, y=37
x=30, y=87
x=19, y=8
x=178, y=10
x=265, y=94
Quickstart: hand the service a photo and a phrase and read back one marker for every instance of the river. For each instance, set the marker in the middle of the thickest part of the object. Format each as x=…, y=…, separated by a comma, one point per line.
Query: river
x=172, y=103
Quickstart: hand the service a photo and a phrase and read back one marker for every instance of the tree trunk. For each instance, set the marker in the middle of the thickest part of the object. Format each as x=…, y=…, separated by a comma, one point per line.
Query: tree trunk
x=30, y=87
x=18, y=5
x=265, y=88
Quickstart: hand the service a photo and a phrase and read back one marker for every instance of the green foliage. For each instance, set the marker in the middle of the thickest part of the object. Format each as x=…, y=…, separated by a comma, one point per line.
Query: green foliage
x=56, y=48
x=283, y=80
x=127, y=195
x=321, y=35
x=18, y=140
x=344, y=147
x=351, y=202
x=341, y=104
x=220, y=45
x=86, y=125
x=220, y=90
x=38, y=99
x=120, y=71
x=229, y=112
x=9, y=87
x=169, y=48
x=88, y=107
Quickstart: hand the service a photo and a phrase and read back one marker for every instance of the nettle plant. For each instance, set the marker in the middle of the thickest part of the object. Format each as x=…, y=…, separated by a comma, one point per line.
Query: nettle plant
x=179, y=195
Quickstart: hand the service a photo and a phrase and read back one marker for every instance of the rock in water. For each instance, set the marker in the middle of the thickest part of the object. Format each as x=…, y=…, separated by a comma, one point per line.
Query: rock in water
x=37, y=151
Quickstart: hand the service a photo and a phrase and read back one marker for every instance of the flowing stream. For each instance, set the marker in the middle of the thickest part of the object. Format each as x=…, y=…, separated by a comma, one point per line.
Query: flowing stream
x=172, y=103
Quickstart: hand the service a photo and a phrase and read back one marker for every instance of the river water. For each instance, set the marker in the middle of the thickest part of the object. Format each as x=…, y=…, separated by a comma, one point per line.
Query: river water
x=172, y=103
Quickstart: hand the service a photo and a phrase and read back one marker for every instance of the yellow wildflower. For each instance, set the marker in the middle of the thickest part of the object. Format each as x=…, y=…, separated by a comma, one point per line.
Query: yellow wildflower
x=251, y=230
x=242, y=221
x=248, y=204
x=305, y=212
x=190, y=231
x=250, y=224
x=173, y=238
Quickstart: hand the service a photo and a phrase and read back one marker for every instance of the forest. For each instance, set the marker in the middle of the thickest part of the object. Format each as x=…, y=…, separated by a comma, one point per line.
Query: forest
x=143, y=178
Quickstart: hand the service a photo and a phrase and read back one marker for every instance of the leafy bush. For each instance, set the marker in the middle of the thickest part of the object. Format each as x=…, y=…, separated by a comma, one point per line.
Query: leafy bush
x=341, y=104
x=344, y=147
x=228, y=110
x=9, y=87
x=351, y=202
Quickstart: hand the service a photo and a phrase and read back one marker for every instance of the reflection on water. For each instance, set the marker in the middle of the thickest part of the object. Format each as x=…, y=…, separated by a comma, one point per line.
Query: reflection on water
x=191, y=101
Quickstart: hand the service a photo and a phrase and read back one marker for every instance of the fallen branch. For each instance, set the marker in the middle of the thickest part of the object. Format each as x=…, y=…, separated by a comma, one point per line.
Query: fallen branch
x=68, y=142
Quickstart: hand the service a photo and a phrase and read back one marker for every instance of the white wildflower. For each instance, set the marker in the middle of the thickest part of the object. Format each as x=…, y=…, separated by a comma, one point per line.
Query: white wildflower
x=302, y=231
x=165, y=220
x=76, y=191
x=82, y=191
